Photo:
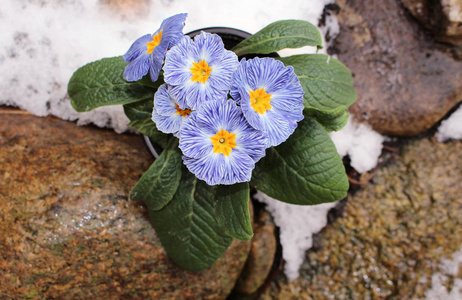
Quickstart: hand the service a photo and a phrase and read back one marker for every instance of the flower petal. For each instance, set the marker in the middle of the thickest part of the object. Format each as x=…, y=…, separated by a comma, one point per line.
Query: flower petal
x=156, y=60
x=137, y=68
x=207, y=49
x=238, y=167
x=195, y=142
x=289, y=96
x=222, y=72
x=138, y=55
x=277, y=127
x=138, y=48
x=252, y=142
x=178, y=62
x=172, y=29
x=163, y=103
x=279, y=113
x=250, y=114
x=246, y=147
x=168, y=124
x=209, y=167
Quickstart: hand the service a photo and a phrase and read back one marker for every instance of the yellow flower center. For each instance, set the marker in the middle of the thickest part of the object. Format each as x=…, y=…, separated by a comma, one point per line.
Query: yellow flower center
x=155, y=42
x=182, y=112
x=200, y=71
x=223, y=142
x=260, y=100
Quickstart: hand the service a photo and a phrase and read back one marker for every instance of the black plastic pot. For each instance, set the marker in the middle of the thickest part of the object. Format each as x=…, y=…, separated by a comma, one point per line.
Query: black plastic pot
x=231, y=37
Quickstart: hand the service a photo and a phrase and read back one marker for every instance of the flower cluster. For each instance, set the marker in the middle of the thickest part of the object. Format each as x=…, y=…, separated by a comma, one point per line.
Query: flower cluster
x=221, y=138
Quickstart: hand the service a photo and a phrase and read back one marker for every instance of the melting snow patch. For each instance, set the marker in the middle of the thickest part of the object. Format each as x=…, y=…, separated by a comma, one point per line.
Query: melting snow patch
x=451, y=128
x=448, y=267
x=44, y=42
x=297, y=226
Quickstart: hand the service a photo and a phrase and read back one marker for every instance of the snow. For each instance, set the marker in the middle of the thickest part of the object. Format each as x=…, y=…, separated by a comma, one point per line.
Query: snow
x=44, y=41
x=361, y=143
x=448, y=268
x=451, y=128
x=297, y=226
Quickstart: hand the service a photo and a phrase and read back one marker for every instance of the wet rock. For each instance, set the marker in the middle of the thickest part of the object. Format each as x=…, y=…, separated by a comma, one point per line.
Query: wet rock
x=261, y=256
x=67, y=228
x=443, y=18
x=406, y=81
x=394, y=233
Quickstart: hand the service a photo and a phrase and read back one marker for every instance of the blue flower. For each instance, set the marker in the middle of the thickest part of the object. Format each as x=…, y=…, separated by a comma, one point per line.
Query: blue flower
x=148, y=52
x=199, y=70
x=167, y=115
x=270, y=96
x=219, y=145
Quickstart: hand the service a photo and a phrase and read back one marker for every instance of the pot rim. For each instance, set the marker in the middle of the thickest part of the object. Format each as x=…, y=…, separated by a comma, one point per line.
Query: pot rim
x=221, y=30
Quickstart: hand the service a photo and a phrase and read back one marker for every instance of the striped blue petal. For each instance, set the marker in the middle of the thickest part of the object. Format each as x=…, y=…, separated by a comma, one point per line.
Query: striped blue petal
x=137, y=48
x=210, y=167
x=168, y=124
x=279, y=118
x=250, y=114
x=193, y=94
x=238, y=167
x=156, y=60
x=240, y=81
x=277, y=126
x=137, y=68
x=178, y=62
x=163, y=102
x=195, y=142
x=165, y=114
x=290, y=96
x=251, y=141
x=220, y=114
x=138, y=55
x=172, y=29
x=197, y=146
x=221, y=76
x=209, y=47
x=268, y=73
x=205, y=48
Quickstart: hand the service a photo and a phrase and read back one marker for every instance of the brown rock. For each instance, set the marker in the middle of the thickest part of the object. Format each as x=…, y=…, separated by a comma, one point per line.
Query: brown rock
x=67, y=228
x=261, y=256
x=443, y=18
x=394, y=233
x=405, y=80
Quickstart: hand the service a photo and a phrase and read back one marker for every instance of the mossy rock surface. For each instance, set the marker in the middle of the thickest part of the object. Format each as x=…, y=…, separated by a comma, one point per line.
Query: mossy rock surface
x=394, y=234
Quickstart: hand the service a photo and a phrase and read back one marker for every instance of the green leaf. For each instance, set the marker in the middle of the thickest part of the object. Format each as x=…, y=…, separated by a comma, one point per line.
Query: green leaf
x=280, y=35
x=146, y=80
x=305, y=170
x=158, y=185
x=101, y=83
x=187, y=226
x=140, y=113
x=327, y=83
x=139, y=110
x=332, y=120
x=232, y=210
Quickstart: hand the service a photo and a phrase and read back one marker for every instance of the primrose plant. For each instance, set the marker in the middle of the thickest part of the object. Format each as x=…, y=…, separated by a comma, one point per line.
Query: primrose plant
x=225, y=122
